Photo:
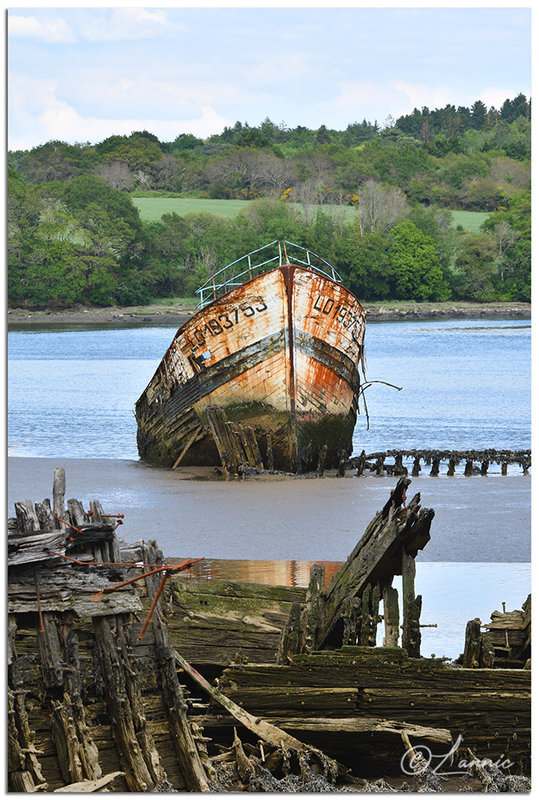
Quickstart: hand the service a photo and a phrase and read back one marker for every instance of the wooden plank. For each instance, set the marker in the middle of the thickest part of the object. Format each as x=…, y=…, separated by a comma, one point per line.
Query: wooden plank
x=196, y=433
x=26, y=517
x=90, y=786
x=263, y=729
x=356, y=726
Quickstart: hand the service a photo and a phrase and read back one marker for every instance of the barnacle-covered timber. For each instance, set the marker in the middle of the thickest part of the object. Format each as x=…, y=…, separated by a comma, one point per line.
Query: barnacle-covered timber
x=277, y=348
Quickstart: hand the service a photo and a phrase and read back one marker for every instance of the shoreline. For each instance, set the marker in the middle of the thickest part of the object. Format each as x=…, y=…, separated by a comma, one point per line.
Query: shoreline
x=388, y=311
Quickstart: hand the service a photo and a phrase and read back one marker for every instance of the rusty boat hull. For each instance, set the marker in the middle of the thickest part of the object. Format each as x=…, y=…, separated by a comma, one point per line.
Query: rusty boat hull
x=279, y=354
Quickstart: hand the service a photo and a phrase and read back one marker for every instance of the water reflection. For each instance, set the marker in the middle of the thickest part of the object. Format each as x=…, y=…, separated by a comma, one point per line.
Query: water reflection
x=452, y=593
x=271, y=573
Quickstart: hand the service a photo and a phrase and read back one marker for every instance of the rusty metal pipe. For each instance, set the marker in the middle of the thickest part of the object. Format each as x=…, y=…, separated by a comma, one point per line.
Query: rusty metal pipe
x=164, y=579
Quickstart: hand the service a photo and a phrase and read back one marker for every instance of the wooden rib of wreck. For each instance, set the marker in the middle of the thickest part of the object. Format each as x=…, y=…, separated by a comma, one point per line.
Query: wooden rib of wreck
x=266, y=373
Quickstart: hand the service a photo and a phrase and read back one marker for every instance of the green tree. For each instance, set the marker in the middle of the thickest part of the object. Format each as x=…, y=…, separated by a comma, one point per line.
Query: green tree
x=478, y=117
x=416, y=268
x=474, y=277
x=367, y=265
x=109, y=221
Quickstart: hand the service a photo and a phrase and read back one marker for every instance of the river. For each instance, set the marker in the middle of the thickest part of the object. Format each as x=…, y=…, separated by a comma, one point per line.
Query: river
x=464, y=384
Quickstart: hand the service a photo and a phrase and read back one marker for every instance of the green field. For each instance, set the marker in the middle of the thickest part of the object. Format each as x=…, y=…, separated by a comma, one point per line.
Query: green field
x=470, y=220
x=151, y=209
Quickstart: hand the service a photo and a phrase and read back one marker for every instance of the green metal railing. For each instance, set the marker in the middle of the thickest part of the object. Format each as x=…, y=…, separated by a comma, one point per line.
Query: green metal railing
x=274, y=254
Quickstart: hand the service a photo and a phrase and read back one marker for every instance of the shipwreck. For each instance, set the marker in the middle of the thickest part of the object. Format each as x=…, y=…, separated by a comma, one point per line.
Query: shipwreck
x=265, y=373
x=125, y=676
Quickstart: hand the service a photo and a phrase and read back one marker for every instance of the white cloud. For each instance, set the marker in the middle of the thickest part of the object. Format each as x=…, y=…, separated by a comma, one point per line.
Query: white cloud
x=418, y=95
x=124, y=94
x=129, y=24
x=50, y=30
x=373, y=100
x=286, y=69
x=493, y=96
x=395, y=97
x=37, y=115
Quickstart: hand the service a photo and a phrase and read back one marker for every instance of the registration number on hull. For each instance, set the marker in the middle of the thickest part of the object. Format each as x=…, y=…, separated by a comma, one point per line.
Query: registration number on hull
x=222, y=322
x=337, y=311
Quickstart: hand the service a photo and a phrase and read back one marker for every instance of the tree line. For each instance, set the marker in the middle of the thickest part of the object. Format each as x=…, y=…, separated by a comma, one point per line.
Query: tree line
x=75, y=236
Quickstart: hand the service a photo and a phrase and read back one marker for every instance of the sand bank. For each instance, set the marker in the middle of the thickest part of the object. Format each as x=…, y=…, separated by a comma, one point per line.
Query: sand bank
x=188, y=512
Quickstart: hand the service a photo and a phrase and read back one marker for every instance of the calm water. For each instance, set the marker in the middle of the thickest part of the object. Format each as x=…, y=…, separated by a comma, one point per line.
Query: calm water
x=465, y=384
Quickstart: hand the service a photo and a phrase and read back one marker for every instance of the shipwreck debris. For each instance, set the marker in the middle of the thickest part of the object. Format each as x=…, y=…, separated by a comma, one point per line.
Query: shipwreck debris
x=377, y=462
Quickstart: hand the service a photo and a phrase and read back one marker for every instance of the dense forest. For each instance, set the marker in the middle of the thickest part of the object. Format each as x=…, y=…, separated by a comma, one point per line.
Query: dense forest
x=75, y=235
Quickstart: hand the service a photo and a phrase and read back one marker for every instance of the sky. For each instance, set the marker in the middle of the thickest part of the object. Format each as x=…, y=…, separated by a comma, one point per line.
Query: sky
x=83, y=74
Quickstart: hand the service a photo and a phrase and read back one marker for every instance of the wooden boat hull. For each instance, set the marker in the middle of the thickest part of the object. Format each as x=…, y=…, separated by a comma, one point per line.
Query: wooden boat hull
x=279, y=355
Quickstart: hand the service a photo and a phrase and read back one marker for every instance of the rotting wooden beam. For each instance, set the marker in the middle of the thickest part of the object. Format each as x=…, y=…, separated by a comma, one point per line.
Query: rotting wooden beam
x=391, y=616
x=356, y=725
x=269, y=453
x=137, y=754
x=377, y=555
x=58, y=493
x=435, y=469
x=411, y=608
x=321, y=460
x=263, y=729
x=193, y=770
x=314, y=605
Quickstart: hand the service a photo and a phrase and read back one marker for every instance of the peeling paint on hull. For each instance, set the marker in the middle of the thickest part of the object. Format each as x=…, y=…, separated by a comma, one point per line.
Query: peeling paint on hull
x=280, y=355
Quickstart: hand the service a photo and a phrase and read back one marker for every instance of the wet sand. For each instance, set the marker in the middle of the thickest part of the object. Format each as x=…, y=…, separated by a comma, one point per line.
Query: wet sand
x=188, y=512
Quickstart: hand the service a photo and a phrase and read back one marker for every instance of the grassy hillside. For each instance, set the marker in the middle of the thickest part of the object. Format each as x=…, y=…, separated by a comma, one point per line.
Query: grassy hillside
x=153, y=208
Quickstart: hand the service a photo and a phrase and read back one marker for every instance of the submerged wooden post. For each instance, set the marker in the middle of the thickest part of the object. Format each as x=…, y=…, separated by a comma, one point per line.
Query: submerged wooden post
x=374, y=615
x=391, y=616
x=351, y=621
x=435, y=470
x=361, y=464
x=472, y=644
x=416, y=469
x=321, y=460
x=269, y=454
x=380, y=465
x=484, y=467
x=469, y=467
x=451, y=467
x=290, y=642
x=411, y=608
x=251, y=437
x=314, y=606
x=504, y=468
